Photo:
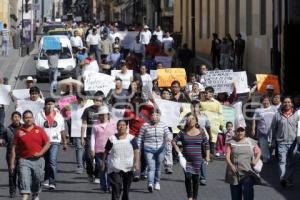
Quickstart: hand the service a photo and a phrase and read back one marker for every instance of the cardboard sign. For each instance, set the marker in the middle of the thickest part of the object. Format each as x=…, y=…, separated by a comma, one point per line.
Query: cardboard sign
x=167, y=76
x=4, y=94
x=220, y=80
x=215, y=122
x=64, y=101
x=99, y=82
x=267, y=79
x=166, y=61
x=34, y=106
x=241, y=82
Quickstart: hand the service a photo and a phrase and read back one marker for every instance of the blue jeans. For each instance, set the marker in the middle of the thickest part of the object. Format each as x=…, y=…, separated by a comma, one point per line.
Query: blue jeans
x=95, y=49
x=51, y=163
x=79, y=152
x=264, y=146
x=243, y=191
x=102, y=174
x=287, y=155
x=203, y=171
x=154, y=161
x=53, y=74
x=4, y=47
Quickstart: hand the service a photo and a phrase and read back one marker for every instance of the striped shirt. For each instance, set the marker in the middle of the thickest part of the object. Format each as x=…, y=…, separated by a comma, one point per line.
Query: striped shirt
x=5, y=34
x=153, y=137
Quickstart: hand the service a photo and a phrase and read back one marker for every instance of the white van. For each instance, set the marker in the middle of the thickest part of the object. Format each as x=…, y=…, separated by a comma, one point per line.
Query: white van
x=66, y=62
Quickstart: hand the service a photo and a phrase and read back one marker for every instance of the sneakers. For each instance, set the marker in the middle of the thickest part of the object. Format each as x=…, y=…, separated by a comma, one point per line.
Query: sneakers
x=150, y=188
x=79, y=170
x=46, y=183
x=203, y=182
x=157, y=186
x=97, y=181
x=52, y=186
x=136, y=178
x=217, y=154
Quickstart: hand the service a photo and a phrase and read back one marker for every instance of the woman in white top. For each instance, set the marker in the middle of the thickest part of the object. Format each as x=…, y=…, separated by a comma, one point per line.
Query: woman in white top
x=123, y=158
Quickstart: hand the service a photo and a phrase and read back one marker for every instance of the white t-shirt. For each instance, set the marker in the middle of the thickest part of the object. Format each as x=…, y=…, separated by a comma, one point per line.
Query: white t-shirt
x=168, y=43
x=159, y=35
x=93, y=67
x=93, y=39
x=126, y=79
x=5, y=34
x=147, y=81
x=54, y=132
x=113, y=36
x=76, y=41
x=145, y=37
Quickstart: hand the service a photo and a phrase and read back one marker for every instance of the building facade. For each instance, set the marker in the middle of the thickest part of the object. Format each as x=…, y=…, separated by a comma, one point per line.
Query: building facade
x=4, y=12
x=198, y=19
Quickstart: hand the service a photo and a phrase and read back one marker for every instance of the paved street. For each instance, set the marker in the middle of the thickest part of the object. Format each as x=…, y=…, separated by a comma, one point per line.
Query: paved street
x=73, y=186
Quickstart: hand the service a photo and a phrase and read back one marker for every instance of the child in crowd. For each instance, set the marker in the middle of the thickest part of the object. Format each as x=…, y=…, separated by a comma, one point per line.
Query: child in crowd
x=223, y=137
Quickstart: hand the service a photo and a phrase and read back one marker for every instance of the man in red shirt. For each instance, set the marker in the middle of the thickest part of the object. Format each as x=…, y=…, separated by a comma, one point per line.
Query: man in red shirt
x=31, y=142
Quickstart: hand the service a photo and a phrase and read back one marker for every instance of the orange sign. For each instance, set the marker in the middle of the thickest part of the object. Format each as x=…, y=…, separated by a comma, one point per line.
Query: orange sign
x=263, y=80
x=168, y=75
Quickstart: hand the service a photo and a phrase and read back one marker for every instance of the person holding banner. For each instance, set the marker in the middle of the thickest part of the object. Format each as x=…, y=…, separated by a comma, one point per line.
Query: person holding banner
x=194, y=143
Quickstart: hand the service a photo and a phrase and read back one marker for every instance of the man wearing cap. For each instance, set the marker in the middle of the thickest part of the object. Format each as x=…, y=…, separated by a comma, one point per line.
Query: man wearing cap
x=145, y=36
x=52, y=122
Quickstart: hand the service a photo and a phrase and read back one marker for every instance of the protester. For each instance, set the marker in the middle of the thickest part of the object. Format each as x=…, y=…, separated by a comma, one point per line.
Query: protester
x=125, y=75
x=7, y=138
x=53, y=123
x=30, y=143
x=261, y=126
x=159, y=33
x=194, y=142
x=276, y=101
x=153, y=138
x=168, y=41
x=114, y=58
x=138, y=49
x=145, y=35
x=241, y=154
x=177, y=95
x=118, y=97
x=5, y=33
x=105, y=47
x=123, y=160
x=30, y=82
x=225, y=51
x=76, y=42
x=101, y=131
x=284, y=132
x=88, y=119
x=201, y=76
x=93, y=40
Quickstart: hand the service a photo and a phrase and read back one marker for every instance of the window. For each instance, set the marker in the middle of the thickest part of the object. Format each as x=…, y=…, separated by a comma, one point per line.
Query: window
x=208, y=18
x=226, y=16
x=216, y=16
x=249, y=17
x=200, y=19
x=237, y=16
x=263, y=16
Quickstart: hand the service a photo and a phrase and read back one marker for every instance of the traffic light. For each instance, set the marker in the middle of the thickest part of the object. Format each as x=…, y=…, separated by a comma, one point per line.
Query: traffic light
x=26, y=6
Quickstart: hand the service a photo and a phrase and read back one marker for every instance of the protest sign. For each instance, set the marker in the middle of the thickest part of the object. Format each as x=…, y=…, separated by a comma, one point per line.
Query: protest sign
x=267, y=79
x=239, y=116
x=4, y=94
x=241, y=82
x=126, y=79
x=167, y=76
x=170, y=112
x=90, y=68
x=166, y=61
x=34, y=106
x=99, y=82
x=21, y=94
x=64, y=101
x=76, y=122
x=220, y=80
x=229, y=115
x=185, y=109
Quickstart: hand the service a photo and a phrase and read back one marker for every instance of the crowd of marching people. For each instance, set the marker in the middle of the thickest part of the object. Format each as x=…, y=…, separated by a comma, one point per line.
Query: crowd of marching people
x=114, y=151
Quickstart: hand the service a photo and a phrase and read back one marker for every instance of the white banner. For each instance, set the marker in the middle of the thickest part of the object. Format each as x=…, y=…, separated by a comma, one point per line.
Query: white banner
x=21, y=94
x=241, y=82
x=99, y=81
x=76, y=121
x=220, y=80
x=170, y=112
x=5, y=98
x=34, y=106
